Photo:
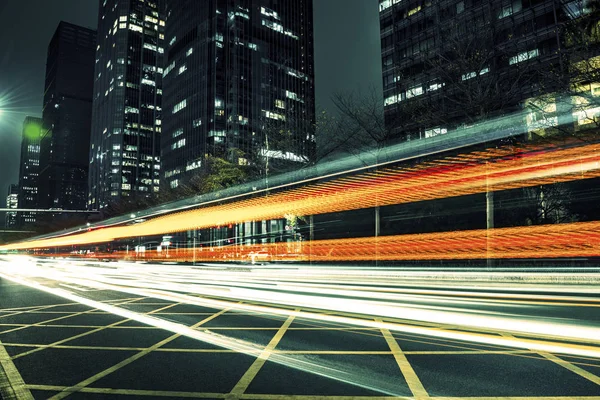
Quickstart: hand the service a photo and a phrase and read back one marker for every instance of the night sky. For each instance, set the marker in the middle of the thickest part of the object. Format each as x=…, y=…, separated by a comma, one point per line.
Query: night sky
x=347, y=58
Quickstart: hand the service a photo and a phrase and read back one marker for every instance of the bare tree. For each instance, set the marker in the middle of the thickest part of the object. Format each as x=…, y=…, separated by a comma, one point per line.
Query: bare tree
x=574, y=109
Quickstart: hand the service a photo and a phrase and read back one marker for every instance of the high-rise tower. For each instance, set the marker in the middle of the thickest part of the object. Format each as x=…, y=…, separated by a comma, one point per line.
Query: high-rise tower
x=67, y=115
x=29, y=169
x=449, y=63
x=126, y=115
x=239, y=84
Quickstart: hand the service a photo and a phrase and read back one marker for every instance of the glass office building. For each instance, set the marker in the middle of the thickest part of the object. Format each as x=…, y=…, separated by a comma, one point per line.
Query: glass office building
x=127, y=114
x=239, y=84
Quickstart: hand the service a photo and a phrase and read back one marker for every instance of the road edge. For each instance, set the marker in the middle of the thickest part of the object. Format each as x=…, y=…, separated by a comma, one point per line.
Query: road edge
x=12, y=386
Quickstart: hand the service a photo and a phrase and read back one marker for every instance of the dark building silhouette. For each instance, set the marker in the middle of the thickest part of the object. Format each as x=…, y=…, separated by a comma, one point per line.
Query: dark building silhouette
x=239, y=84
x=29, y=169
x=12, y=201
x=126, y=113
x=67, y=115
x=449, y=63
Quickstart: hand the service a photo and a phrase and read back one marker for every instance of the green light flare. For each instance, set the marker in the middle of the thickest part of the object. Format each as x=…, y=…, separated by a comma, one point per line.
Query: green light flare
x=33, y=131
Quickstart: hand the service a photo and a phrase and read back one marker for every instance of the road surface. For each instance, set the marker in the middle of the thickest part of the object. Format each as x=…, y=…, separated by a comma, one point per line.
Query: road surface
x=93, y=330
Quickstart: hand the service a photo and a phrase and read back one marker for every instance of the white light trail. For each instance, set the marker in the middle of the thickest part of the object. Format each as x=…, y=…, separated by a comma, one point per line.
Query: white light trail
x=281, y=290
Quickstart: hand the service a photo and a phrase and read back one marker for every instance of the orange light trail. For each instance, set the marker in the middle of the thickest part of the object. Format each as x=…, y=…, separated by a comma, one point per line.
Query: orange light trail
x=471, y=173
x=581, y=239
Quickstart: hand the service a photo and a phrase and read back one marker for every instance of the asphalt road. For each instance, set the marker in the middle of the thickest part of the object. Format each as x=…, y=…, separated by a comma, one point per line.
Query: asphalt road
x=96, y=331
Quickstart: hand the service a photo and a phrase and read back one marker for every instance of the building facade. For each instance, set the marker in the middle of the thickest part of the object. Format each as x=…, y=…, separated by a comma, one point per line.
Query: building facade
x=239, y=84
x=29, y=169
x=126, y=111
x=67, y=115
x=12, y=202
x=450, y=63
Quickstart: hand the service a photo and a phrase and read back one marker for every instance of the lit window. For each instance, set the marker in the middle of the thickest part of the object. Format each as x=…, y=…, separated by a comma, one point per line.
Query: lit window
x=473, y=74
x=269, y=12
x=435, y=86
x=169, y=68
x=180, y=143
x=150, y=46
x=390, y=100
x=524, y=56
x=189, y=51
x=273, y=115
x=169, y=174
x=180, y=106
x=273, y=25
x=215, y=133
x=136, y=28
x=293, y=96
x=384, y=5
x=191, y=165
x=414, y=91
x=414, y=11
x=280, y=104
x=178, y=132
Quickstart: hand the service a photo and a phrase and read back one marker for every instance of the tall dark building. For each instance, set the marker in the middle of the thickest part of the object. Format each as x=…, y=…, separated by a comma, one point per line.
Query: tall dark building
x=449, y=63
x=12, y=201
x=67, y=115
x=29, y=169
x=239, y=84
x=126, y=112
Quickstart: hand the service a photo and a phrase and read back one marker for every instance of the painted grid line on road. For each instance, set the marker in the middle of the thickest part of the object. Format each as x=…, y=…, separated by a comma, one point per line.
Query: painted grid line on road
x=77, y=387
x=12, y=386
x=53, y=345
x=251, y=373
x=566, y=364
x=248, y=396
x=413, y=381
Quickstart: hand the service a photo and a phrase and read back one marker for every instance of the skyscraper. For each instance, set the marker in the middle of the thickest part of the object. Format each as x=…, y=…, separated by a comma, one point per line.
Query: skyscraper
x=126, y=111
x=239, y=84
x=29, y=169
x=12, y=201
x=454, y=62
x=67, y=115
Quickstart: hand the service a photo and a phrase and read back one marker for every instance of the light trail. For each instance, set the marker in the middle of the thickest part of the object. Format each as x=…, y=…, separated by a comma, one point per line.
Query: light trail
x=471, y=173
x=347, y=373
x=580, y=239
x=351, y=301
